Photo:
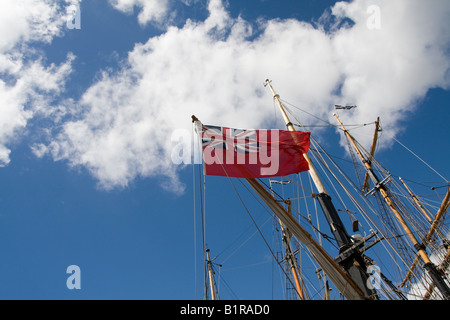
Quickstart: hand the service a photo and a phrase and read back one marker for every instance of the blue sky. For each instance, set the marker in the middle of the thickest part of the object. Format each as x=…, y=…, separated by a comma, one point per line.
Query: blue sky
x=85, y=141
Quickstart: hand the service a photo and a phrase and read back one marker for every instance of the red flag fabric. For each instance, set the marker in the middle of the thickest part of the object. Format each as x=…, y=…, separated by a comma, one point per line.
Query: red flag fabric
x=252, y=153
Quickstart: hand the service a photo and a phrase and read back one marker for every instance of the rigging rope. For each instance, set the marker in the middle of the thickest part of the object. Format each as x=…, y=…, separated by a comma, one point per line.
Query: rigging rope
x=260, y=232
x=202, y=193
x=328, y=124
x=195, y=219
x=242, y=244
x=323, y=163
x=195, y=232
x=203, y=234
x=446, y=180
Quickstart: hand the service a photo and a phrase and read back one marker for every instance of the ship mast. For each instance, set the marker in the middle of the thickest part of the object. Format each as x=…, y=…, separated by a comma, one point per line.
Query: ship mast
x=212, y=286
x=434, y=223
x=290, y=257
x=343, y=282
x=336, y=225
x=381, y=187
x=350, y=258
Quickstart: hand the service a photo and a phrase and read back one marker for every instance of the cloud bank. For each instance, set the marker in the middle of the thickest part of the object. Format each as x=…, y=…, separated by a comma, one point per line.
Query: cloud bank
x=381, y=55
x=386, y=70
x=27, y=86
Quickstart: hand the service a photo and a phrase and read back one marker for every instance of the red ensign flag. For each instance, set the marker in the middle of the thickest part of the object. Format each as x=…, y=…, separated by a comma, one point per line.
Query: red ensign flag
x=252, y=153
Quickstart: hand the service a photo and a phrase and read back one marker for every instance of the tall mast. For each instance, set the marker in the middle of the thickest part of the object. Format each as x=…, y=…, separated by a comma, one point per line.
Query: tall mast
x=337, y=274
x=210, y=275
x=434, y=224
x=350, y=257
x=417, y=202
x=381, y=187
x=336, y=225
x=290, y=127
x=290, y=257
x=372, y=151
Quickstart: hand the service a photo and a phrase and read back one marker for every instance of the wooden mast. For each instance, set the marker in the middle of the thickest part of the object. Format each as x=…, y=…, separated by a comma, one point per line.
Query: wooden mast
x=314, y=176
x=383, y=190
x=352, y=262
x=380, y=186
x=291, y=261
x=439, y=215
x=336, y=225
x=417, y=202
x=290, y=255
x=434, y=223
x=372, y=152
x=210, y=276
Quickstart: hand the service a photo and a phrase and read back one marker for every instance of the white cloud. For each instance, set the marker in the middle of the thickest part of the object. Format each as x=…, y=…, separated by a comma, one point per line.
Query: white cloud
x=150, y=10
x=26, y=84
x=215, y=69
x=387, y=70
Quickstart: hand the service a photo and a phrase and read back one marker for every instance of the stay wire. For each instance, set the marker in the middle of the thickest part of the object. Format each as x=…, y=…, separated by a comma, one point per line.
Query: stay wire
x=195, y=231
x=202, y=209
x=308, y=113
x=423, y=161
x=328, y=124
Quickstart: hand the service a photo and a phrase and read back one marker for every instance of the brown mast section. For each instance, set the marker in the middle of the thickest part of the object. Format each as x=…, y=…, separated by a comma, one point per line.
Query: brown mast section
x=434, y=224
x=380, y=186
x=290, y=258
x=212, y=286
x=372, y=152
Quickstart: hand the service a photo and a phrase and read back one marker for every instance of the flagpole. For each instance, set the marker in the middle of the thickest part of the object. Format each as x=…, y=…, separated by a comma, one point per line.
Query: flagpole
x=312, y=171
